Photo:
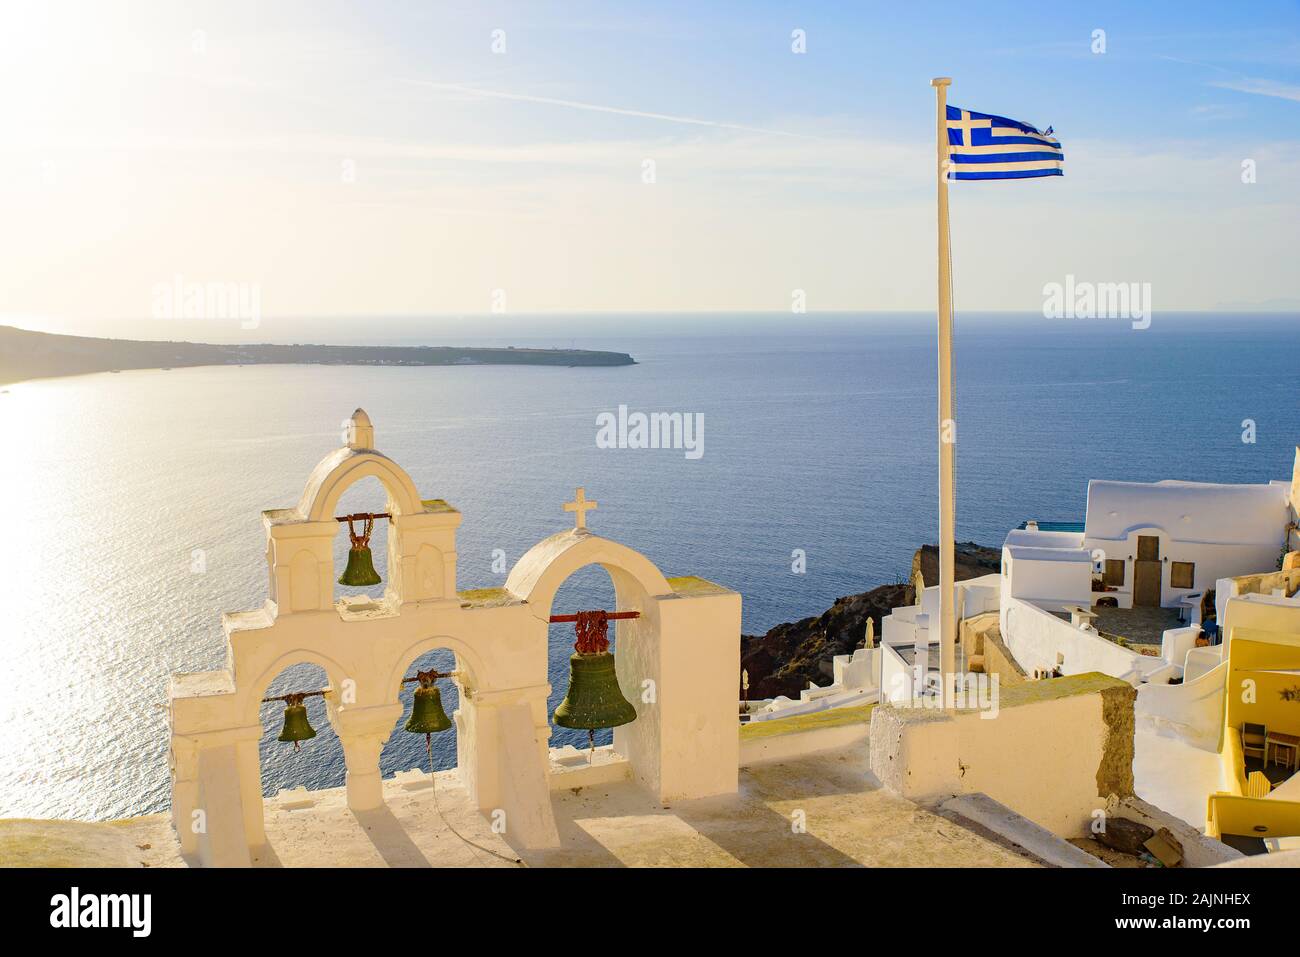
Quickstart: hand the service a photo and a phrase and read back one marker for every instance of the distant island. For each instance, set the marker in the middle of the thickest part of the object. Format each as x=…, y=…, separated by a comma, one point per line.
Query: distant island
x=41, y=355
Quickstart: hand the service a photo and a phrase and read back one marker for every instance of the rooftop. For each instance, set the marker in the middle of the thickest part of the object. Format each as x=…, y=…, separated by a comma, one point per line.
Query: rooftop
x=1054, y=526
x=1189, y=511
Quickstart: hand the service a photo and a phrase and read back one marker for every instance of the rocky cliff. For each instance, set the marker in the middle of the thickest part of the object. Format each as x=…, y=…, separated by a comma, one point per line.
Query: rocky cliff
x=790, y=656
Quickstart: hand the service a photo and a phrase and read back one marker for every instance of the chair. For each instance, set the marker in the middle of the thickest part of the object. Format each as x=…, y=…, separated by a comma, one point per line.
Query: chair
x=1276, y=743
x=1254, y=741
x=1257, y=785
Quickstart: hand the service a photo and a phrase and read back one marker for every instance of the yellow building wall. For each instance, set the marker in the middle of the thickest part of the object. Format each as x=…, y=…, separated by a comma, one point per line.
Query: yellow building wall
x=1256, y=689
x=1252, y=817
x=1255, y=696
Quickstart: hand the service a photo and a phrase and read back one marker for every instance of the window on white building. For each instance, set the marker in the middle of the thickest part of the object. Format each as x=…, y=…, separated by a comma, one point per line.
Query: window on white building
x=1114, y=571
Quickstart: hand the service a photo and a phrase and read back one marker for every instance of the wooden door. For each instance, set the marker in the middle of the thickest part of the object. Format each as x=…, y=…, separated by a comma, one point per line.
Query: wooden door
x=1146, y=573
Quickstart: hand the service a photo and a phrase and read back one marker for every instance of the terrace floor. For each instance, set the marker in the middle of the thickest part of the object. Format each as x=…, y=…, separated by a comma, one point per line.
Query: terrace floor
x=1141, y=628
x=850, y=821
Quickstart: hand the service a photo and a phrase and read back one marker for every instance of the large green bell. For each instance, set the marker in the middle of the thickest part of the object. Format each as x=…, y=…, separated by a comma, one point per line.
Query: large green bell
x=296, y=726
x=594, y=699
x=361, y=567
x=427, y=716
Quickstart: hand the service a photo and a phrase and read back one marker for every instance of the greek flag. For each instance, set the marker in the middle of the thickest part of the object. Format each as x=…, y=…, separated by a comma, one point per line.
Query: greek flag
x=983, y=146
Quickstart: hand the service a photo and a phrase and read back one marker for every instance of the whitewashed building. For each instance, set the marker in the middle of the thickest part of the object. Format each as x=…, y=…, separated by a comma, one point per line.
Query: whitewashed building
x=1151, y=543
x=1158, y=542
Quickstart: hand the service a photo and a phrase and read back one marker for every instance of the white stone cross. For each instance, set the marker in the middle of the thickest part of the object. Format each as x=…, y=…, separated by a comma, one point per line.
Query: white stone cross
x=580, y=505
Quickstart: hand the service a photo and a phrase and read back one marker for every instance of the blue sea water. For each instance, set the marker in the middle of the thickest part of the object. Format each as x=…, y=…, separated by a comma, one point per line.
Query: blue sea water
x=133, y=499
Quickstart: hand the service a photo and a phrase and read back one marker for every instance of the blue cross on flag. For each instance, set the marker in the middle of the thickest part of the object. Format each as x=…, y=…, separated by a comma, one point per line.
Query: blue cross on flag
x=983, y=146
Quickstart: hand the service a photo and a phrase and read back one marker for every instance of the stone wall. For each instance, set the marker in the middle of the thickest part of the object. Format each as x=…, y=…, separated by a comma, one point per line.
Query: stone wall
x=1052, y=750
x=981, y=639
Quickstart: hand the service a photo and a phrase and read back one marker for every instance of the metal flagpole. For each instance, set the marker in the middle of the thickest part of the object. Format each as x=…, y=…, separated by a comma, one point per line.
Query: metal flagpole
x=947, y=425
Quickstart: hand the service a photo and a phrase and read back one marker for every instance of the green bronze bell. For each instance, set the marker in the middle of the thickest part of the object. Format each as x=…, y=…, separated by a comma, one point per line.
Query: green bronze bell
x=427, y=716
x=361, y=564
x=296, y=726
x=361, y=568
x=594, y=699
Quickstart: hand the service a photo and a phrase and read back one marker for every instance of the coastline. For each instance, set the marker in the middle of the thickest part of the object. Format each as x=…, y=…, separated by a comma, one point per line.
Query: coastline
x=27, y=355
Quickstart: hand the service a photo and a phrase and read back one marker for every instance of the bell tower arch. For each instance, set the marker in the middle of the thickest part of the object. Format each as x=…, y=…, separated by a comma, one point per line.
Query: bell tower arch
x=300, y=540
x=683, y=647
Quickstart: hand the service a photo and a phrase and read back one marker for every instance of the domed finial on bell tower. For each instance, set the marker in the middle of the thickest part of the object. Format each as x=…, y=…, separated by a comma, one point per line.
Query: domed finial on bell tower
x=361, y=434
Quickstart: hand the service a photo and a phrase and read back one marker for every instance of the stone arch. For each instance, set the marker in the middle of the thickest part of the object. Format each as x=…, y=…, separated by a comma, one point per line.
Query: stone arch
x=538, y=575
x=1146, y=528
x=344, y=468
x=466, y=658
x=249, y=707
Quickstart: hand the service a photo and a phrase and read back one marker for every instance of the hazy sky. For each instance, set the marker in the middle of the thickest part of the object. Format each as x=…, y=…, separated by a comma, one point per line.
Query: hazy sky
x=382, y=158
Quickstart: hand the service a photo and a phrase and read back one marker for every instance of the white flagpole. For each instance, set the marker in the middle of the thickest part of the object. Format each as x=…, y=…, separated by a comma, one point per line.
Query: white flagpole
x=947, y=424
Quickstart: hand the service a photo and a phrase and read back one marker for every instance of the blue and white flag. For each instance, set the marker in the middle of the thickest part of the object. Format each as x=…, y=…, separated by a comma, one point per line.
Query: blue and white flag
x=983, y=146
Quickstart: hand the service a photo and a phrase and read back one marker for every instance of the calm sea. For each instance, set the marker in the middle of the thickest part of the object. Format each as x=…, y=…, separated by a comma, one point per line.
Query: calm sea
x=132, y=500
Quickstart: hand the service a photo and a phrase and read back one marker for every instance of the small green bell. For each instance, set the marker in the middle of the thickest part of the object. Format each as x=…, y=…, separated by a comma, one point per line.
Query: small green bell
x=361, y=564
x=594, y=699
x=361, y=567
x=296, y=726
x=427, y=716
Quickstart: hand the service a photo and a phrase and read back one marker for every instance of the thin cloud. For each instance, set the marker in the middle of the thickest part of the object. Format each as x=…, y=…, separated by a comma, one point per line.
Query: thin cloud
x=1244, y=84
x=599, y=108
x=1258, y=87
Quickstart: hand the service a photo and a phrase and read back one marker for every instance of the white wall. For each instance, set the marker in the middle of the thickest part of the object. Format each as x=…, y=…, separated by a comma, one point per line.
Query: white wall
x=972, y=597
x=1175, y=643
x=1201, y=660
x=1037, y=639
x=899, y=626
x=857, y=670
x=1047, y=582
x=1040, y=759
x=1192, y=711
x=896, y=677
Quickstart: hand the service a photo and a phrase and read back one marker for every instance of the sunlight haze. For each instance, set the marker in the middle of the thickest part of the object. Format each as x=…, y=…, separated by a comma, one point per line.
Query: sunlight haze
x=393, y=163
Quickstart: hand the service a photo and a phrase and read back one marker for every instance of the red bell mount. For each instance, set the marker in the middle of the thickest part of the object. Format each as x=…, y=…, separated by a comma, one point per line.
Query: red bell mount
x=367, y=520
x=593, y=628
x=361, y=516
x=296, y=697
x=428, y=677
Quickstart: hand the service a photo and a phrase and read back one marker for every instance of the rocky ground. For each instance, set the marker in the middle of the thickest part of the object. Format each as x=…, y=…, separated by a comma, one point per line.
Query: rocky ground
x=793, y=654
